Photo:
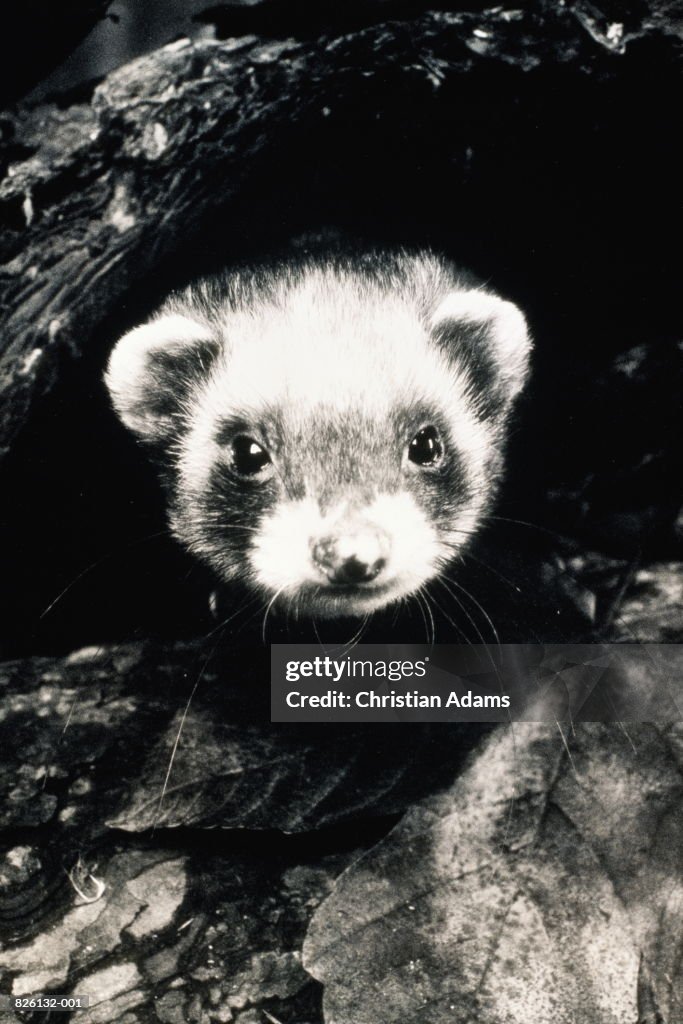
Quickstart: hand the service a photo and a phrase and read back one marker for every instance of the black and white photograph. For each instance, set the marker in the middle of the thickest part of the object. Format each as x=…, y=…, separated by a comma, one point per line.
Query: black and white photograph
x=341, y=512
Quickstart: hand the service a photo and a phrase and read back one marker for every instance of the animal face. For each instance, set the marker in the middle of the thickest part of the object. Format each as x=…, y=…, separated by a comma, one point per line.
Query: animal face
x=332, y=433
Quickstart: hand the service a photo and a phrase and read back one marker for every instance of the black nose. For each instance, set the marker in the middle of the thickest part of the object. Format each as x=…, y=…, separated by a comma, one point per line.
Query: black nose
x=355, y=559
x=353, y=570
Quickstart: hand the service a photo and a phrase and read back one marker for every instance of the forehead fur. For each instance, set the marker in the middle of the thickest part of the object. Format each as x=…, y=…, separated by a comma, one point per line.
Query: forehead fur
x=329, y=344
x=322, y=346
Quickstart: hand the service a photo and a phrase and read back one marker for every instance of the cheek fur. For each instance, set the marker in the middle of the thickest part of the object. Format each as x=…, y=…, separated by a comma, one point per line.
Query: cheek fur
x=415, y=553
x=280, y=554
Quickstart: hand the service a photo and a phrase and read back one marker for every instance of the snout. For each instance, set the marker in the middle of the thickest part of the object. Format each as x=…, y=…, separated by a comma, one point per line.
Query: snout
x=352, y=556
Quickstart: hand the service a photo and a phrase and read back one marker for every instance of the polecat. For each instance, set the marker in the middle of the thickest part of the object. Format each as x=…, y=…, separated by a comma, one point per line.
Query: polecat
x=332, y=430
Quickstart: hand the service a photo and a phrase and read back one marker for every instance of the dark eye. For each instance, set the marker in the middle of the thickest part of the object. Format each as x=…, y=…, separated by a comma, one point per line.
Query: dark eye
x=249, y=458
x=426, y=448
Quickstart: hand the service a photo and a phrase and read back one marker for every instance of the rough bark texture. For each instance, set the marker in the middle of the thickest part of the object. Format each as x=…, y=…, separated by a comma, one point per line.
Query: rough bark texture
x=85, y=745
x=93, y=196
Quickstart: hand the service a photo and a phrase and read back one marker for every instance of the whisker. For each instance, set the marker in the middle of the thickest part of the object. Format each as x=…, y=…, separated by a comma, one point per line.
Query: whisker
x=423, y=594
x=448, y=618
x=181, y=725
x=233, y=615
x=318, y=637
x=423, y=606
x=495, y=667
x=523, y=522
x=268, y=608
x=463, y=609
x=495, y=572
x=473, y=599
x=251, y=617
x=96, y=564
x=343, y=648
x=416, y=595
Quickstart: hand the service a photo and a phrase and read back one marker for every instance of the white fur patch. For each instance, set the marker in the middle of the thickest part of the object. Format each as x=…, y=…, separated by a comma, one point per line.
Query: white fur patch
x=281, y=553
x=282, y=562
x=128, y=376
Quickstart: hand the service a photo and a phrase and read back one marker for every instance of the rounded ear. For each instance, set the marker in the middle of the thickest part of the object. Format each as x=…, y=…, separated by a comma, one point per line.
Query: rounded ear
x=492, y=336
x=152, y=369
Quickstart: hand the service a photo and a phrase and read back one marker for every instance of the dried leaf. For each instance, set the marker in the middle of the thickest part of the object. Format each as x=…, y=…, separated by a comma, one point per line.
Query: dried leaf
x=545, y=887
x=236, y=773
x=139, y=736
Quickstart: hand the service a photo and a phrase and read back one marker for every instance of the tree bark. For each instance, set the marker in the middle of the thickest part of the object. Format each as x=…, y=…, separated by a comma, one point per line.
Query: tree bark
x=94, y=196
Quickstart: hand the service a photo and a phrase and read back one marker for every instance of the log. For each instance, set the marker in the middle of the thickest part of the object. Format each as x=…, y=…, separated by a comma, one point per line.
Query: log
x=179, y=735
x=110, y=885
x=95, y=197
x=165, y=847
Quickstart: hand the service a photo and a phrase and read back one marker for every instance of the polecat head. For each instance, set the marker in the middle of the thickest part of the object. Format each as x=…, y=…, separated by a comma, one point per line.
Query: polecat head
x=332, y=433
